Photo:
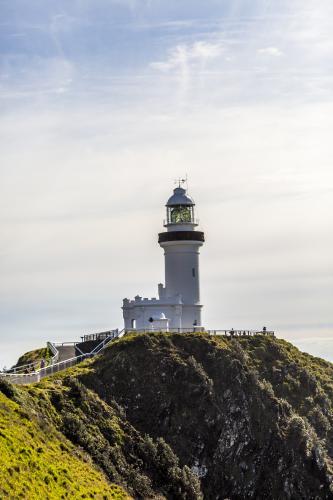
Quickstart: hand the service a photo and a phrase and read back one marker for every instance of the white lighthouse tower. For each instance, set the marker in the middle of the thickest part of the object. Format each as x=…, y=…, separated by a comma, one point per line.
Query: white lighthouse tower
x=178, y=305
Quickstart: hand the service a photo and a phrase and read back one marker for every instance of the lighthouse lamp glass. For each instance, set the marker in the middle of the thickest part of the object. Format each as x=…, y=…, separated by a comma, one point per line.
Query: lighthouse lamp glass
x=180, y=214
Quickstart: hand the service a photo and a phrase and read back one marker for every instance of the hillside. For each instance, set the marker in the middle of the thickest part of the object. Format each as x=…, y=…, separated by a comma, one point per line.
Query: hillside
x=33, y=357
x=39, y=462
x=184, y=417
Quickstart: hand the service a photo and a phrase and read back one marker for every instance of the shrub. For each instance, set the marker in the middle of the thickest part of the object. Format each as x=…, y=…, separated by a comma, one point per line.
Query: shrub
x=8, y=389
x=299, y=433
x=319, y=421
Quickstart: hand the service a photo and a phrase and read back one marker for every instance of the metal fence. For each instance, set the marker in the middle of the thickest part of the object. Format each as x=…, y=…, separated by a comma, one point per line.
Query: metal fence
x=100, y=336
x=35, y=365
x=37, y=375
x=226, y=333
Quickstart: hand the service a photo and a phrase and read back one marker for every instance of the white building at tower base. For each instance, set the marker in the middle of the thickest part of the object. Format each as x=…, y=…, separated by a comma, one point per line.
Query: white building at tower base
x=164, y=313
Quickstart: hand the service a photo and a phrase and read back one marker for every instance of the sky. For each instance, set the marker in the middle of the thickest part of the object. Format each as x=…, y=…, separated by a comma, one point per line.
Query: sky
x=104, y=103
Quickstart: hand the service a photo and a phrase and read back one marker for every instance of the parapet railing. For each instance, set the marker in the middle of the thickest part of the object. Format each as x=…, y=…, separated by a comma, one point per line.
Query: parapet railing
x=226, y=333
x=23, y=368
x=37, y=375
x=51, y=346
x=169, y=222
x=100, y=336
x=241, y=333
x=33, y=366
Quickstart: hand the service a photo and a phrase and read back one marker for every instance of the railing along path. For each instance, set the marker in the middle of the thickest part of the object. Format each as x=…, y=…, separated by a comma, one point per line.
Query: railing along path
x=28, y=374
x=226, y=333
x=37, y=375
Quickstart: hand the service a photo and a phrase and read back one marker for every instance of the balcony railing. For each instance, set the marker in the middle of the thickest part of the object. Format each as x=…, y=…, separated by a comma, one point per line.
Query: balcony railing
x=99, y=336
x=194, y=222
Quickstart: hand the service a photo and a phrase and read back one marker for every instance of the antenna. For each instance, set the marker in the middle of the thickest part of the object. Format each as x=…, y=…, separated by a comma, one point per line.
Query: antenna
x=181, y=181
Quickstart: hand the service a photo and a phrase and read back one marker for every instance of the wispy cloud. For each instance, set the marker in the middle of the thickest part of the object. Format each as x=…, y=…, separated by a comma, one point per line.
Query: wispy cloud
x=183, y=56
x=270, y=51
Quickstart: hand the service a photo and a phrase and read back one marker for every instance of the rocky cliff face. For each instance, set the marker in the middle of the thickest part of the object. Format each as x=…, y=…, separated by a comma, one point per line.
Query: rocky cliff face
x=251, y=418
x=193, y=416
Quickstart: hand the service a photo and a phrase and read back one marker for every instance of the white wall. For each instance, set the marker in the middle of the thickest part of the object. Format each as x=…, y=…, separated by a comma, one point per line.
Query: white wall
x=180, y=259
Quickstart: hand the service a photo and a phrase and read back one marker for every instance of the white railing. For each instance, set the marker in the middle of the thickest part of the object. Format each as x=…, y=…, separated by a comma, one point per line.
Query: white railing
x=37, y=375
x=23, y=368
x=100, y=335
x=54, y=367
x=51, y=346
x=169, y=222
x=31, y=367
x=226, y=333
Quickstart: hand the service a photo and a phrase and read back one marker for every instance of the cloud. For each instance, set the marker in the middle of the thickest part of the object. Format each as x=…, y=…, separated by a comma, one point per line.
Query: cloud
x=177, y=24
x=92, y=142
x=270, y=51
x=186, y=54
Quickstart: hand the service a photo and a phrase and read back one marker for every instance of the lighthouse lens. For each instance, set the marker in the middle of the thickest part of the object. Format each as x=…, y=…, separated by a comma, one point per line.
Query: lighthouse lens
x=181, y=214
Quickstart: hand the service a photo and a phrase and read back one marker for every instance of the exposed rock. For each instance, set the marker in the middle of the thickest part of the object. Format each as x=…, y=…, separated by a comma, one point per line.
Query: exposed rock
x=240, y=432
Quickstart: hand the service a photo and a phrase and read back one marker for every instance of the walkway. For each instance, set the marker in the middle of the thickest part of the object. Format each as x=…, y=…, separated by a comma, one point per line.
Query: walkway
x=63, y=357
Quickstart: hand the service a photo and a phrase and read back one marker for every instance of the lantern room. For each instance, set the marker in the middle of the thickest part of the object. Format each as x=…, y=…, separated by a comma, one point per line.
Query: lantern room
x=180, y=209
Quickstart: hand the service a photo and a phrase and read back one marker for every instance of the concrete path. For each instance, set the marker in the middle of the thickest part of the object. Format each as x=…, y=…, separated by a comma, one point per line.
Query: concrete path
x=65, y=352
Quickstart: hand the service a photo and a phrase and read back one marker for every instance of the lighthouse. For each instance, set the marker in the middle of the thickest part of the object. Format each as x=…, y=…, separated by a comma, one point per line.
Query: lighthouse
x=178, y=306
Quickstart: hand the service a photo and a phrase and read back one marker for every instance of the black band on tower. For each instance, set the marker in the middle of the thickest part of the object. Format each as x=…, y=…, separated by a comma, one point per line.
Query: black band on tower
x=181, y=236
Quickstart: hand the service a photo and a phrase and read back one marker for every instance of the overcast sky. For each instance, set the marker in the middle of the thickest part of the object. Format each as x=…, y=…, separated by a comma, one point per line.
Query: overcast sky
x=105, y=102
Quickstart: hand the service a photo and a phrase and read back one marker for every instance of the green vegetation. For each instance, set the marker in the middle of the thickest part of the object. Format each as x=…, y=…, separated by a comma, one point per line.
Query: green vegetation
x=33, y=356
x=174, y=416
x=143, y=466
x=214, y=402
x=67, y=416
x=304, y=381
x=38, y=462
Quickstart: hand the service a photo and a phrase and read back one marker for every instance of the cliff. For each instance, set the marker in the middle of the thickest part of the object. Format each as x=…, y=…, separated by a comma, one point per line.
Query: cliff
x=189, y=417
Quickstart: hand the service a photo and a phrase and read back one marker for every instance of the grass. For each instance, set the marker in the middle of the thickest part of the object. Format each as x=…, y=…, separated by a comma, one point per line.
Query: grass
x=55, y=434
x=34, y=356
x=38, y=462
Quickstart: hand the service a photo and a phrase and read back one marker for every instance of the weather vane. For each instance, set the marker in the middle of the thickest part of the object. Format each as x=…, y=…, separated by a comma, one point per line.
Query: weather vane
x=181, y=181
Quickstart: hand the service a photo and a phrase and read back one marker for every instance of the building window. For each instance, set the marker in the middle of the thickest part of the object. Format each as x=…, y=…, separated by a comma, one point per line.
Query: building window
x=133, y=323
x=193, y=272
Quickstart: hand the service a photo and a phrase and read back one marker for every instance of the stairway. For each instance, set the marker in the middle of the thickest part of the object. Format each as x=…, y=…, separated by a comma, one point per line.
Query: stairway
x=60, y=361
x=65, y=352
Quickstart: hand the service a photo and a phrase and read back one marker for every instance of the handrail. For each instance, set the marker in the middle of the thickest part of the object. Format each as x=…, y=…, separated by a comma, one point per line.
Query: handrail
x=121, y=333
x=54, y=350
x=116, y=334
x=50, y=346
x=43, y=372
x=17, y=369
x=228, y=333
x=97, y=336
x=168, y=222
x=36, y=375
x=77, y=348
x=73, y=343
